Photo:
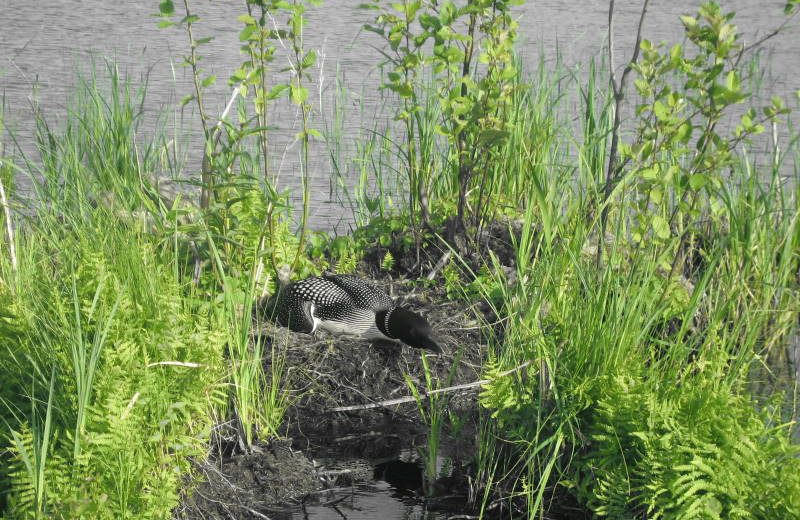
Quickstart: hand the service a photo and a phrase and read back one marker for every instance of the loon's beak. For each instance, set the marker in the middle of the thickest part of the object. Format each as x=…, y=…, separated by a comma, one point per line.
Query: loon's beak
x=428, y=344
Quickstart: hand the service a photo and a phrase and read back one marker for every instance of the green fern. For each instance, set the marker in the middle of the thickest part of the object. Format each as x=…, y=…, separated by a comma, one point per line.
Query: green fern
x=387, y=264
x=347, y=262
x=696, y=453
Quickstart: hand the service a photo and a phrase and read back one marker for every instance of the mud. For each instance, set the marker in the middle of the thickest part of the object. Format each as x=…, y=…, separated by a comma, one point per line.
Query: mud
x=328, y=456
x=329, y=373
x=364, y=462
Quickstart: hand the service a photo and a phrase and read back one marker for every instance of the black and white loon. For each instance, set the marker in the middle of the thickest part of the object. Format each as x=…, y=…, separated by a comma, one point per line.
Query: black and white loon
x=347, y=304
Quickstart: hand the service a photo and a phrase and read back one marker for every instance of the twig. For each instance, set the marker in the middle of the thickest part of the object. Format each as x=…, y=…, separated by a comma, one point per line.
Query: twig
x=328, y=490
x=411, y=398
x=12, y=251
x=255, y=513
x=440, y=264
x=175, y=364
x=618, y=88
x=359, y=436
x=335, y=501
x=747, y=48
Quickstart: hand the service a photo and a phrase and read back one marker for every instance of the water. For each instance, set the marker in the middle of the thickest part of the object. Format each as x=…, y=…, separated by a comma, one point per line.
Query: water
x=391, y=495
x=42, y=44
x=368, y=502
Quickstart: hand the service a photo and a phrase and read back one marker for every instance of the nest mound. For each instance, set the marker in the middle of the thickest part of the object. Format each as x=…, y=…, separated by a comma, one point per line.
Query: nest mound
x=327, y=373
x=324, y=447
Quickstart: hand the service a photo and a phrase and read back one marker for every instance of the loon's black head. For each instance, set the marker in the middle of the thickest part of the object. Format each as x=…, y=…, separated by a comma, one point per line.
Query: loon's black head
x=408, y=327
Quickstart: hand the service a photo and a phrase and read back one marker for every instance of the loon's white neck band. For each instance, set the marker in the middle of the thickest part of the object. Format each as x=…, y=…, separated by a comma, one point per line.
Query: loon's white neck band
x=386, y=321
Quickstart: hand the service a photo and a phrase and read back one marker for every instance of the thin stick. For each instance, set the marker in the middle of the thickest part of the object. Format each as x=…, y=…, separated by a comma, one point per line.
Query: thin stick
x=12, y=250
x=758, y=43
x=411, y=398
x=618, y=89
x=187, y=364
x=440, y=264
x=205, y=194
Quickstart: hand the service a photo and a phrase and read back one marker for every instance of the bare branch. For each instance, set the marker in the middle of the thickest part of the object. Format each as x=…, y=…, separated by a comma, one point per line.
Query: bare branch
x=637, y=47
x=611, y=64
x=619, y=95
x=423, y=395
x=758, y=43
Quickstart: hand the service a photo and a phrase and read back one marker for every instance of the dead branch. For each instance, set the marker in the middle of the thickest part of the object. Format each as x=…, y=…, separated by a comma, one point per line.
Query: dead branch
x=411, y=398
x=618, y=90
x=440, y=264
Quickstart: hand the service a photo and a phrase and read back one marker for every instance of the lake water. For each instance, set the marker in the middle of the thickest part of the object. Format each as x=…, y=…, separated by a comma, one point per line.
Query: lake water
x=44, y=43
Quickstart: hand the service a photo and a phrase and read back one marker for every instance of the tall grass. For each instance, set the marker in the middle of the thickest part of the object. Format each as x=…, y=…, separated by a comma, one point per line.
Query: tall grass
x=648, y=387
x=135, y=323
x=649, y=393
x=111, y=359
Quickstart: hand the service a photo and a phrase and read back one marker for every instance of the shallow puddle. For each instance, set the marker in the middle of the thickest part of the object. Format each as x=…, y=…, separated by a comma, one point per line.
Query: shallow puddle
x=376, y=500
x=390, y=495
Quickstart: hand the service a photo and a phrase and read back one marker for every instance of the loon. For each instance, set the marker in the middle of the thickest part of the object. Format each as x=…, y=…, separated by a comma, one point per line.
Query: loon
x=347, y=304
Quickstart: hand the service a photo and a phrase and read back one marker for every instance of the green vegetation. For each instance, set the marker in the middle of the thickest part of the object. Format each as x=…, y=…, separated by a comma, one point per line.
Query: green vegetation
x=111, y=362
x=639, y=321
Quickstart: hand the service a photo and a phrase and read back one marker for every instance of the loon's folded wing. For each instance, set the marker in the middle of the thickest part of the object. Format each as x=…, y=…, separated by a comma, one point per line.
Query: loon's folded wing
x=363, y=292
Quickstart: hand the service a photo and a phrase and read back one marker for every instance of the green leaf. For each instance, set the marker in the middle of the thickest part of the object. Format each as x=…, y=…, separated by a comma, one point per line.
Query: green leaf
x=732, y=81
x=649, y=174
x=661, y=227
x=276, y=91
x=660, y=110
x=163, y=24
x=187, y=99
x=207, y=82
x=374, y=29
x=697, y=181
x=689, y=22
x=298, y=94
x=238, y=75
x=246, y=19
x=685, y=132
x=166, y=8
x=309, y=59
x=403, y=89
x=246, y=32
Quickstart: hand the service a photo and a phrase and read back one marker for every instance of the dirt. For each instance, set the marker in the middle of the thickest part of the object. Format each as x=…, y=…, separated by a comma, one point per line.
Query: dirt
x=328, y=449
x=251, y=485
x=327, y=455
